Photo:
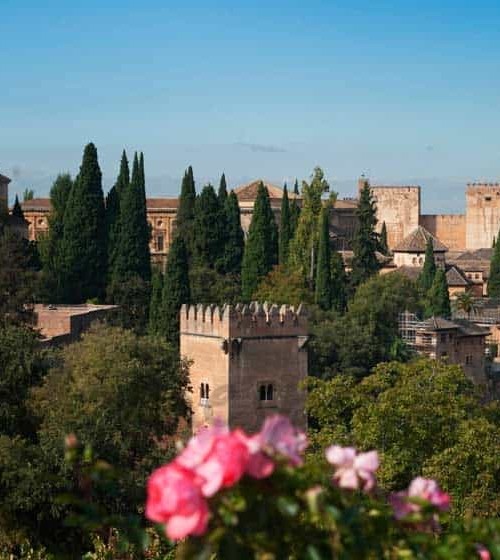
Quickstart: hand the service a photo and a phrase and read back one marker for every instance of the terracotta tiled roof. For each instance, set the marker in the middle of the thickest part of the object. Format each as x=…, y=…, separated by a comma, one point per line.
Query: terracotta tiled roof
x=479, y=255
x=36, y=204
x=416, y=242
x=4, y=179
x=161, y=203
x=394, y=187
x=465, y=328
x=456, y=277
x=249, y=191
x=438, y=324
x=342, y=203
x=411, y=272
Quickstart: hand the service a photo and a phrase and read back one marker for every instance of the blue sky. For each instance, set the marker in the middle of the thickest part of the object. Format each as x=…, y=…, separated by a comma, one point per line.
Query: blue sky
x=405, y=91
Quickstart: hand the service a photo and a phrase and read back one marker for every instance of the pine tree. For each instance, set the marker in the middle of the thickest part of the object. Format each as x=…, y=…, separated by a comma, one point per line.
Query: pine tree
x=175, y=289
x=132, y=254
x=438, y=299
x=364, y=262
x=426, y=277
x=156, y=325
x=304, y=246
x=113, y=211
x=383, y=246
x=208, y=230
x=338, y=283
x=185, y=213
x=84, y=238
x=261, y=249
x=17, y=211
x=222, y=194
x=323, y=293
x=235, y=239
x=285, y=232
x=494, y=278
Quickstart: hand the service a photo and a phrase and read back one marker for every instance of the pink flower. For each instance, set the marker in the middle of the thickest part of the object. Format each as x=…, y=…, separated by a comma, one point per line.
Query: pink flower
x=483, y=552
x=174, y=498
x=259, y=465
x=218, y=456
x=279, y=436
x=422, y=489
x=353, y=470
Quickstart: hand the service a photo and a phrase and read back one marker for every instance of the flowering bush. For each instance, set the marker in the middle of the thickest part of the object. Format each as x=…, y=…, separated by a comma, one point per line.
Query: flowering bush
x=240, y=496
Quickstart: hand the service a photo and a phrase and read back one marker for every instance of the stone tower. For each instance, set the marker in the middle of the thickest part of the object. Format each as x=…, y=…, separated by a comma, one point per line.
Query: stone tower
x=482, y=214
x=247, y=362
x=4, y=194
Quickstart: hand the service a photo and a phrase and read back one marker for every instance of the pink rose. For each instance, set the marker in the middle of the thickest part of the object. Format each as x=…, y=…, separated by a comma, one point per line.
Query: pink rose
x=279, y=436
x=217, y=456
x=259, y=465
x=423, y=489
x=353, y=470
x=174, y=498
x=483, y=552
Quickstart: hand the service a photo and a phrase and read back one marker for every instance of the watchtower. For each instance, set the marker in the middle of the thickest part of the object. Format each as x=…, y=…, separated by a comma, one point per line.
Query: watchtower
x=247, y=362
x=482, y=214
x=4, y=194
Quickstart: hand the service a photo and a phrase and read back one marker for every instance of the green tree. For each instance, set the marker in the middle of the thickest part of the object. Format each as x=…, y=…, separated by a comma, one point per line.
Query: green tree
x=84, y=238
x=222, y=193
x=428, y=273
x=185, y=212
x=155, y=326
x=438, y=299
x=28, y=194
x=175, y=289
x=132, y=257
x=285, y=231
x=17, y=211
x=323, y=294
x=113, y=211
x=465, y=303
x=208, y=230
x=338, y=282
x=304, y=246
x=261, y=249
x=235, y=240
x=383, y=245
x=364, y=262
x=294, y=210
x=494, y=278
x=284, y=286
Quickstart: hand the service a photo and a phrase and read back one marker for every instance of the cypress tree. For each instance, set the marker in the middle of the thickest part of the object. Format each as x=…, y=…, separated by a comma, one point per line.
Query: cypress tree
x=222, y=194
x=84, y=238
x=208, y=230
x=132, y=254
x=438, y=299
x=338, y=283
x=383, y=246
x=426, y=277
x=185, y=213
x=364, y=262
x=175, y=289
x=285, y=233
x=323, y=293
x=155, y=326
x=294, y=210
x=235, y=239
x=494, y=242
x=494, y=278
x=261, y=249
x=142, y=175
x=296, y=188
x=113, y=211
x=17, y=211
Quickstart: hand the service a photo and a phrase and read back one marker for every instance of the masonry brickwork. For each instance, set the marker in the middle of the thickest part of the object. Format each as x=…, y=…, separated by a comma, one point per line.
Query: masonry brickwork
x=448, y=228
x=482, y=214
x=247, y=361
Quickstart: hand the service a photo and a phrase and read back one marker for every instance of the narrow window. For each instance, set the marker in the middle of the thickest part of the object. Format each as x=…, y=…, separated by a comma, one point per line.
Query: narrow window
x=269, y=392
x=202, y=391
x=262, y=392
x=159, y=242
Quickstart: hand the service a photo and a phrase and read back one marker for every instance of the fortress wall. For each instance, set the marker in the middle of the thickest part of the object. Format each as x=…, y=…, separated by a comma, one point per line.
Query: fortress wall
x=482, y=214
x=448, y=228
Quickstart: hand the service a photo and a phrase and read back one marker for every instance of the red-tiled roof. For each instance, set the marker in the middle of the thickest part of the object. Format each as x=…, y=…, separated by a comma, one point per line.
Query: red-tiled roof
x=249, y=191
x=416, y=242
x=36, y=204
x=161, y=203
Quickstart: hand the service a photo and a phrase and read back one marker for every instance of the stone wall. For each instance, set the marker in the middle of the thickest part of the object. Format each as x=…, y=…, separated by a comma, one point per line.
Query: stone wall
x=482, y=214
x=235, y=351
x=399, y=208
x=448, y=228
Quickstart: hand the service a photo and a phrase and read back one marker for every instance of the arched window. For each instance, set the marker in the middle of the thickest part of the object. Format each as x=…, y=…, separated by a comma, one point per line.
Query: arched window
x=204, y=394
x=266, y=392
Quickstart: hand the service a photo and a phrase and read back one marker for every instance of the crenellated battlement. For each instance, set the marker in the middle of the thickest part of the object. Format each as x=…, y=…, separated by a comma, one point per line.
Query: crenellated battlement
x=483, y=185
x=244, y=320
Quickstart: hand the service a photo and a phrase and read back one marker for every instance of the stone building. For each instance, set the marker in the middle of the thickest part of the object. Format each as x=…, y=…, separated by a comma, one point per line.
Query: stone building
x=411, y=250
x=246, y=362
x=4, y=194
x=482, y=214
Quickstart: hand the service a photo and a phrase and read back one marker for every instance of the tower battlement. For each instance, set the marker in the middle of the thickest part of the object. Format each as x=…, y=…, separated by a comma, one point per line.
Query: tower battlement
x=244, y=321
x=483, y=185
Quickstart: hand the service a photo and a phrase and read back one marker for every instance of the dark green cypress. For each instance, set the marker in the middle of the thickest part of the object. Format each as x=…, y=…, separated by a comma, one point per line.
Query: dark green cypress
x=494, y=278
x=261, y=249
x=175, y=289
x=235, y=239
x=323, y=293
x=17, y=211
x=296, y=188
x=155, y=326
x=438, y=299
x=285, y=232
x=113, y=211
x=383, y=246
x=222, y=194
x=494, y=242
x=339, y=283
x=426, y=277
x=185, y=212
x=208, y=230
x=294, y=209
x=132, y=255
x=364, y=262
x=142, y=175
x=84, y=238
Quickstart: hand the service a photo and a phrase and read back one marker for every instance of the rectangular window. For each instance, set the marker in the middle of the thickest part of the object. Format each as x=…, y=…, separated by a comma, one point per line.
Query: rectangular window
x=160, y=243
x=266, y=392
